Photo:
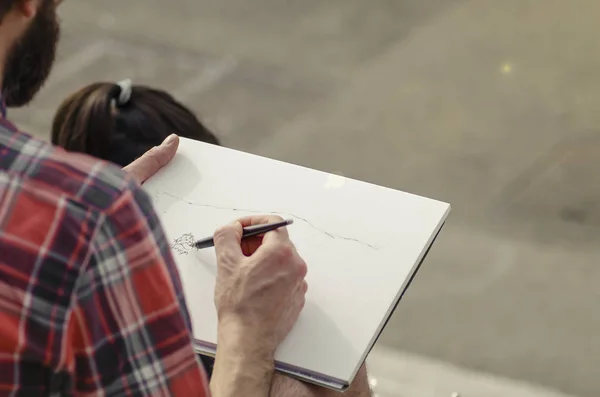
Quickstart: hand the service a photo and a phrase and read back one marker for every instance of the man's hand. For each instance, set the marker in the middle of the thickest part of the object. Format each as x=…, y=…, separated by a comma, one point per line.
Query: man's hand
x=154, y=159
x=260, y=281
x=259, y=294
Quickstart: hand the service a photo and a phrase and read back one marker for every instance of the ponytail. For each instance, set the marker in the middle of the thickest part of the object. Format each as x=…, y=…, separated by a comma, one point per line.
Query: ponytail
x=85, y=121
x=119, y=122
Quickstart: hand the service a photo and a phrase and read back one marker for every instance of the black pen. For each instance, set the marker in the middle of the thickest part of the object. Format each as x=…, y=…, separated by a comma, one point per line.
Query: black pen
x=249, y=231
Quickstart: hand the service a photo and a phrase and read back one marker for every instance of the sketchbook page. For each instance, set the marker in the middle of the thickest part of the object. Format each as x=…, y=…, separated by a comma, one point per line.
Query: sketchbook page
x=360, y=241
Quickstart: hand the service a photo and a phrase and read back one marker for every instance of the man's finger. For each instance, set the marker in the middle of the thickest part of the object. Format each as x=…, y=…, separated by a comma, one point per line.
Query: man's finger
x=154, y=159
x=259, y=220
x=277, y=234
x=228, y=242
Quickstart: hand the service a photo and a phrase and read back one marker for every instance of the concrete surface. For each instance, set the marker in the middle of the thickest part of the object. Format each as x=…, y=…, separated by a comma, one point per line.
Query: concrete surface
x=490, y=105
x=395, y=374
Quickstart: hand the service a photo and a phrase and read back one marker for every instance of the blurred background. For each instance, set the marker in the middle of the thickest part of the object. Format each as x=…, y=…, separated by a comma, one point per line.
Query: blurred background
x=490, y=105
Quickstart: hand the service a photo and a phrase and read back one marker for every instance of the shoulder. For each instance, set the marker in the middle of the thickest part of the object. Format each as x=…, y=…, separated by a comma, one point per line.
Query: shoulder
x=72, y=189
x=82, y=179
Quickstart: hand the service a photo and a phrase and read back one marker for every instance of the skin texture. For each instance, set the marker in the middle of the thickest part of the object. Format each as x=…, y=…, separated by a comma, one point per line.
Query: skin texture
x=154, y=159
x=259, y=293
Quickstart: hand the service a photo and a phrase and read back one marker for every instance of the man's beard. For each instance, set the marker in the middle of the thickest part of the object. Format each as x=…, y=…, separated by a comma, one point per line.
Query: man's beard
x=30, y=59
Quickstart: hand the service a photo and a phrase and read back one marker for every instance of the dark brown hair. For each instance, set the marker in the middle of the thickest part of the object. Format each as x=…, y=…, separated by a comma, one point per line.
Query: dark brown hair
x=90, y=121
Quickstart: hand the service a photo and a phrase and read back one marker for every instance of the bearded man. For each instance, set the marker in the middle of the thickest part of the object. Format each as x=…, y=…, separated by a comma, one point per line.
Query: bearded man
x=90, y=299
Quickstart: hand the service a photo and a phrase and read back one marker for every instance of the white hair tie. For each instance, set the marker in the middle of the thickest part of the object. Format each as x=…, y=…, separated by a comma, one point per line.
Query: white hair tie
x=125, y=94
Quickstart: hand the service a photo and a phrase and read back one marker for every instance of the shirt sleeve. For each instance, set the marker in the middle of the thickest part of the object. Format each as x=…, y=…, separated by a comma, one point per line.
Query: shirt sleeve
x=130, y=330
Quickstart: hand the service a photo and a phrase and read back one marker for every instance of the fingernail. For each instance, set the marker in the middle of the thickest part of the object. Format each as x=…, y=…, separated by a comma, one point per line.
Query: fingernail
x=170, y=139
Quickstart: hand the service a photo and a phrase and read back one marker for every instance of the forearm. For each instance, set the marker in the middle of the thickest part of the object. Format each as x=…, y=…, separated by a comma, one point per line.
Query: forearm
x=242, y=366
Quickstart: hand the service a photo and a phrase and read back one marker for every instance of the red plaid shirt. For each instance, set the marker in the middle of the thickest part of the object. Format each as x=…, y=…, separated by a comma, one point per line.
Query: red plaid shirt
x=90, y=299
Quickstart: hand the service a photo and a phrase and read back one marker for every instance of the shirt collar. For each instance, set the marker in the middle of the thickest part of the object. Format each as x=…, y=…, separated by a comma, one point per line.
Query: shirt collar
x=4, y=122
x=2, y=106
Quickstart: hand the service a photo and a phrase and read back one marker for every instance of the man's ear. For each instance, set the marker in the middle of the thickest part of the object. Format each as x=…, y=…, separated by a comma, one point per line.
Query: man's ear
x=27, y=8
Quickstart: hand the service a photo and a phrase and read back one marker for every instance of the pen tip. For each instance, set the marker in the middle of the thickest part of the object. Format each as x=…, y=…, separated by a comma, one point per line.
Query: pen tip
x=289, y=221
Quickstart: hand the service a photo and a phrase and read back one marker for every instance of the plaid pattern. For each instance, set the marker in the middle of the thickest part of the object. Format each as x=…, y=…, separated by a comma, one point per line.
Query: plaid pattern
x=90, y=299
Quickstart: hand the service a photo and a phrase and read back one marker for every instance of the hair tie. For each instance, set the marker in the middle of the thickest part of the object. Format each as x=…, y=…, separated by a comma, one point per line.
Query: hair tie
x=125, y=92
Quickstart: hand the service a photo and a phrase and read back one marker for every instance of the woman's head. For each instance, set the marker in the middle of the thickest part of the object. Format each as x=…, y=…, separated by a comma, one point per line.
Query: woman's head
x=120, y=122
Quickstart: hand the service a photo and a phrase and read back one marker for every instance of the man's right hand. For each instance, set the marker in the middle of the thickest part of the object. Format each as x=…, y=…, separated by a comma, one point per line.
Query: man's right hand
x=259, y=294
x=260, y=283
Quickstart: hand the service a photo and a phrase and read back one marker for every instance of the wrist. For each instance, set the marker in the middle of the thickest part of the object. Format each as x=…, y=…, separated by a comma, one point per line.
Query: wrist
x=246, y=338
x=242, y=338
x=242, y=365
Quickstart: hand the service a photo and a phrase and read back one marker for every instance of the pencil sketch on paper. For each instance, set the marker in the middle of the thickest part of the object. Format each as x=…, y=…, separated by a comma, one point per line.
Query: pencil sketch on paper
x=296, y=217
x=184, y=244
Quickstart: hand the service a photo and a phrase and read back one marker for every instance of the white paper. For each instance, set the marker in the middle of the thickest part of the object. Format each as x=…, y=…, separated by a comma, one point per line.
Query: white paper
x=361, y=243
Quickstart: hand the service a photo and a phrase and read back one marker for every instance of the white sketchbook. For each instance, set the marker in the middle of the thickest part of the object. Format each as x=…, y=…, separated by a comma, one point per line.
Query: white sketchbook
x=363, y=244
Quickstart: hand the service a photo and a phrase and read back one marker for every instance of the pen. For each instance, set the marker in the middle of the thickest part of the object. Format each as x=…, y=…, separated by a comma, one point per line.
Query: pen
x=249, y=231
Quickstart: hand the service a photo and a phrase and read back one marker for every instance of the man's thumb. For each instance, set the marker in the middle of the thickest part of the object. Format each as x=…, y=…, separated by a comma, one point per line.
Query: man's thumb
x=228, y=240
x=153, y=160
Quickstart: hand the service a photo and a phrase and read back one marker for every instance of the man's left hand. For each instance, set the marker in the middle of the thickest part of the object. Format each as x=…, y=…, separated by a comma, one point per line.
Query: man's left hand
x=154, y=159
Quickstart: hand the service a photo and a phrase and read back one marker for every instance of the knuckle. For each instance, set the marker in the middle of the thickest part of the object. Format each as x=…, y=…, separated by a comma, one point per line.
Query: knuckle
x=224, y=255
x=286, y=252
x=302, y=303
x=224, y=231
x=151, y=156
x=302, y=268
x=155, y=156
x=220, y=232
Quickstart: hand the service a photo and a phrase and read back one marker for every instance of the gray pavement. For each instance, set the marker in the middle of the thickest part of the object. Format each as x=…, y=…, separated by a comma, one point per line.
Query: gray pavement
x=490, y=105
